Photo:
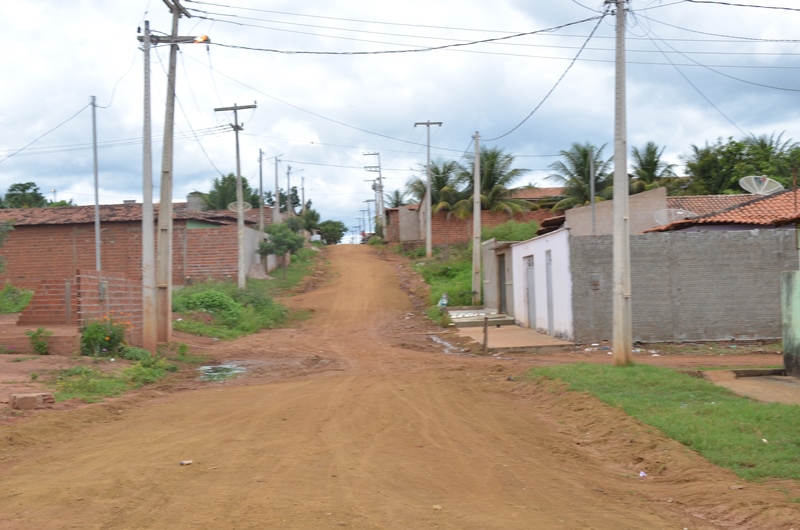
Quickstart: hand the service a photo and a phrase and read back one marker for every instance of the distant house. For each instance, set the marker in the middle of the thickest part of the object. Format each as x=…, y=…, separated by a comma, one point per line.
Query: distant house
x=713, y=277
x=406, y=224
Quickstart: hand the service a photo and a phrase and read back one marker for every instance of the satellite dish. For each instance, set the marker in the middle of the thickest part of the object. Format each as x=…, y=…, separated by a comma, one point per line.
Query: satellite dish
x=246, y=207
x=762, y=185
x=670, y=215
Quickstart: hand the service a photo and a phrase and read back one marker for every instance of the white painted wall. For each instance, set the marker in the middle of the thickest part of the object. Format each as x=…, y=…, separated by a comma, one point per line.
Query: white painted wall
x=558, y=244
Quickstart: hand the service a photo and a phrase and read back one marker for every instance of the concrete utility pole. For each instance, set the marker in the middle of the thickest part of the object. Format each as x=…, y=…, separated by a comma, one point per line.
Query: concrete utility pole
x=149, y=316
x=96, y=188
x=164, y=255
x=302, y=195
x=260, y=191
x=622, y=335
x=365, y=227
x=380, y=210
x=276, y=210
x=369, y=215
x=591, y=188
x=428, y=202
x=476, y=223
x=239, y=195
x=289, y=206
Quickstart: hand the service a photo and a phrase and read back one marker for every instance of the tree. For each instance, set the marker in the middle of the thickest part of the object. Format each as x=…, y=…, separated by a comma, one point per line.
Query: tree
x=718, y=167
x=282, y=240
x=445, y=183
x=24, y=195
x=295, y=224
x=573, y=174
x=310, y=219
x=332, y=232
x=396, y=199
x=648, y=167
x=497, y=177
x=60, y=204
x=223, y=193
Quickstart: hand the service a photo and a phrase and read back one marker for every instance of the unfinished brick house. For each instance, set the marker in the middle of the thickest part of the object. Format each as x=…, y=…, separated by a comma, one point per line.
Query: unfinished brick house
x=51, y=251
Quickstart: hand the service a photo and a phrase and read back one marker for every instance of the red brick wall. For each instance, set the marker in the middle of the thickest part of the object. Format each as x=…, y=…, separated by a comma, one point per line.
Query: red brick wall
x=122, y=301
x=454, y=230
x=79, y=301
x=210, y=253
x=54, y=302
x=54, y=252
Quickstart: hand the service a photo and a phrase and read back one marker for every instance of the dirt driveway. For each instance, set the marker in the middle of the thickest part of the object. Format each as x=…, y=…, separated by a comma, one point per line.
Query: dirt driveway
x=357, y=420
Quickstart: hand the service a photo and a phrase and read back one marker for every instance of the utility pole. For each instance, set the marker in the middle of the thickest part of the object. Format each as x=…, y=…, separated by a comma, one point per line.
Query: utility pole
x=164, y=255
x=622, y=335
x=366, y=227
x=260, y=191
x=369, y=215
x=96, y=188
x=476, y=223
x=380, y=210
x=276, y=210
x=289, y=206
x=149, y=315
x=591, y=188
x=428, y=202
x=302, y=195
x=239, y=198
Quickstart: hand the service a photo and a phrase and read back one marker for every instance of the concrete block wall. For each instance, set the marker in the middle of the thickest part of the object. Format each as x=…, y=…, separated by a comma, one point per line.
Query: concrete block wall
x=686, y=286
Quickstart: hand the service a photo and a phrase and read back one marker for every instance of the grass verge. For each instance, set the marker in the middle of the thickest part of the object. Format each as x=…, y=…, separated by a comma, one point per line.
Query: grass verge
x=755, y=440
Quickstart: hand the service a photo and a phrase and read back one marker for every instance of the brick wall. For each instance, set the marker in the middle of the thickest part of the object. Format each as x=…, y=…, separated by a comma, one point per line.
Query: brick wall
x=451, y=230
x=686, y=286
x=211, y=253
x=54, y=303
x=112, y=295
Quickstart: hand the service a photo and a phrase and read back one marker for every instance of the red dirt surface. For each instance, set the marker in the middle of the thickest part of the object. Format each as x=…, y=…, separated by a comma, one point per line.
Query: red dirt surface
x=357, y=419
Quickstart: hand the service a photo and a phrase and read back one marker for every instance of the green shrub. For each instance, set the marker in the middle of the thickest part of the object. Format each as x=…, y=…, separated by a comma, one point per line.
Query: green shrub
x=133, y=353
x=40, y=340
x=104, y=337
x=218, y=304
x=13, y=300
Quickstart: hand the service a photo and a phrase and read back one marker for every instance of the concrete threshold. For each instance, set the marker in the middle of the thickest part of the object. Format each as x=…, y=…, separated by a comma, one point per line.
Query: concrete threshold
x=515, y=339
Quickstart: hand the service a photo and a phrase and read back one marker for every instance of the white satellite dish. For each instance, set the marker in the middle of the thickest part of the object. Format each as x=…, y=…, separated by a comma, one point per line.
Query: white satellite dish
x=670, y=215
x=760, y=185
x=246, y=207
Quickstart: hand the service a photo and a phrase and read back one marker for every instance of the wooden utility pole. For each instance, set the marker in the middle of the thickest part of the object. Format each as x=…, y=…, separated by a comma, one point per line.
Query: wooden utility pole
x=240, y=208
x=622, y=335
x=428, y=201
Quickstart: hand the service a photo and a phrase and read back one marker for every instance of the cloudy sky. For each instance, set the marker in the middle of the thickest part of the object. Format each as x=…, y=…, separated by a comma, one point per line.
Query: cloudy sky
x=335, y=80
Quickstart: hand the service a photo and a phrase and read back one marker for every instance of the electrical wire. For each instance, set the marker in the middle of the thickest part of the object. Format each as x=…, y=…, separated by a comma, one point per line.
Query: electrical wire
x=415, y=50
x=731, y=4
x=18, y=151
x=546, y=96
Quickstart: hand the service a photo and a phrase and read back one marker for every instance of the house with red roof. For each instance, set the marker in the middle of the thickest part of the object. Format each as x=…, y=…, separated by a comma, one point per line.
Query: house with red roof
x=712, y=277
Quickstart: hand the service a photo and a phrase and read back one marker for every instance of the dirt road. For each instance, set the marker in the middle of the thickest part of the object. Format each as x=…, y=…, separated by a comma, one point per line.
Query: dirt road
x=374, y=429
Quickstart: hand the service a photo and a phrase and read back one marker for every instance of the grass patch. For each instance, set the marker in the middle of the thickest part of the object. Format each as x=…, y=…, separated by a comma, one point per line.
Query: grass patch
x=726, y=429
x=91, y=384
x=450, y=273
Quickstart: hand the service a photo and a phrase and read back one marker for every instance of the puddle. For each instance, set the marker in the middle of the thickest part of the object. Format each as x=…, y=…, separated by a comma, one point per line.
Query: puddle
x=220, y=372
x=448, y=348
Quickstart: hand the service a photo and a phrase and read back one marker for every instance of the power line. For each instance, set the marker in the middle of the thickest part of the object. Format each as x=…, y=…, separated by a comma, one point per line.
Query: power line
x=731, y=4
x=569, y=67
x=45, y=134
x=415, y=50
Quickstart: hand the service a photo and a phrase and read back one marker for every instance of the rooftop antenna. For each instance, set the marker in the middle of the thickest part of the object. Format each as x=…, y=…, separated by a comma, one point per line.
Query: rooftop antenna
x=670, y=215
x=760, y=185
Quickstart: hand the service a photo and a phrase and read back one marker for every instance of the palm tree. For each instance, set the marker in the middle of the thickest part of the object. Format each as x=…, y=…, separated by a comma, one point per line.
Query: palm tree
x=573, y=173
x=648, y=165
x=396, y=199
x=497, y=178
x=445, y=183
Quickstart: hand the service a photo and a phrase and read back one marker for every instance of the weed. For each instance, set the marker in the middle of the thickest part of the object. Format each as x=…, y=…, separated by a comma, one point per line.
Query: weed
x=13, y=299
x=40, y=340
x=34, y=376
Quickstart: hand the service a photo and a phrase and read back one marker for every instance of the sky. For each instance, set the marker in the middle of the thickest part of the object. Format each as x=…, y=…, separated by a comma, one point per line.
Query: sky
x=333, y=81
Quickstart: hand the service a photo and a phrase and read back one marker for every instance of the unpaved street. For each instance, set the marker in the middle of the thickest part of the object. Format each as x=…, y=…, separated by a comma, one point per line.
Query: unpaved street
x=373, y=433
